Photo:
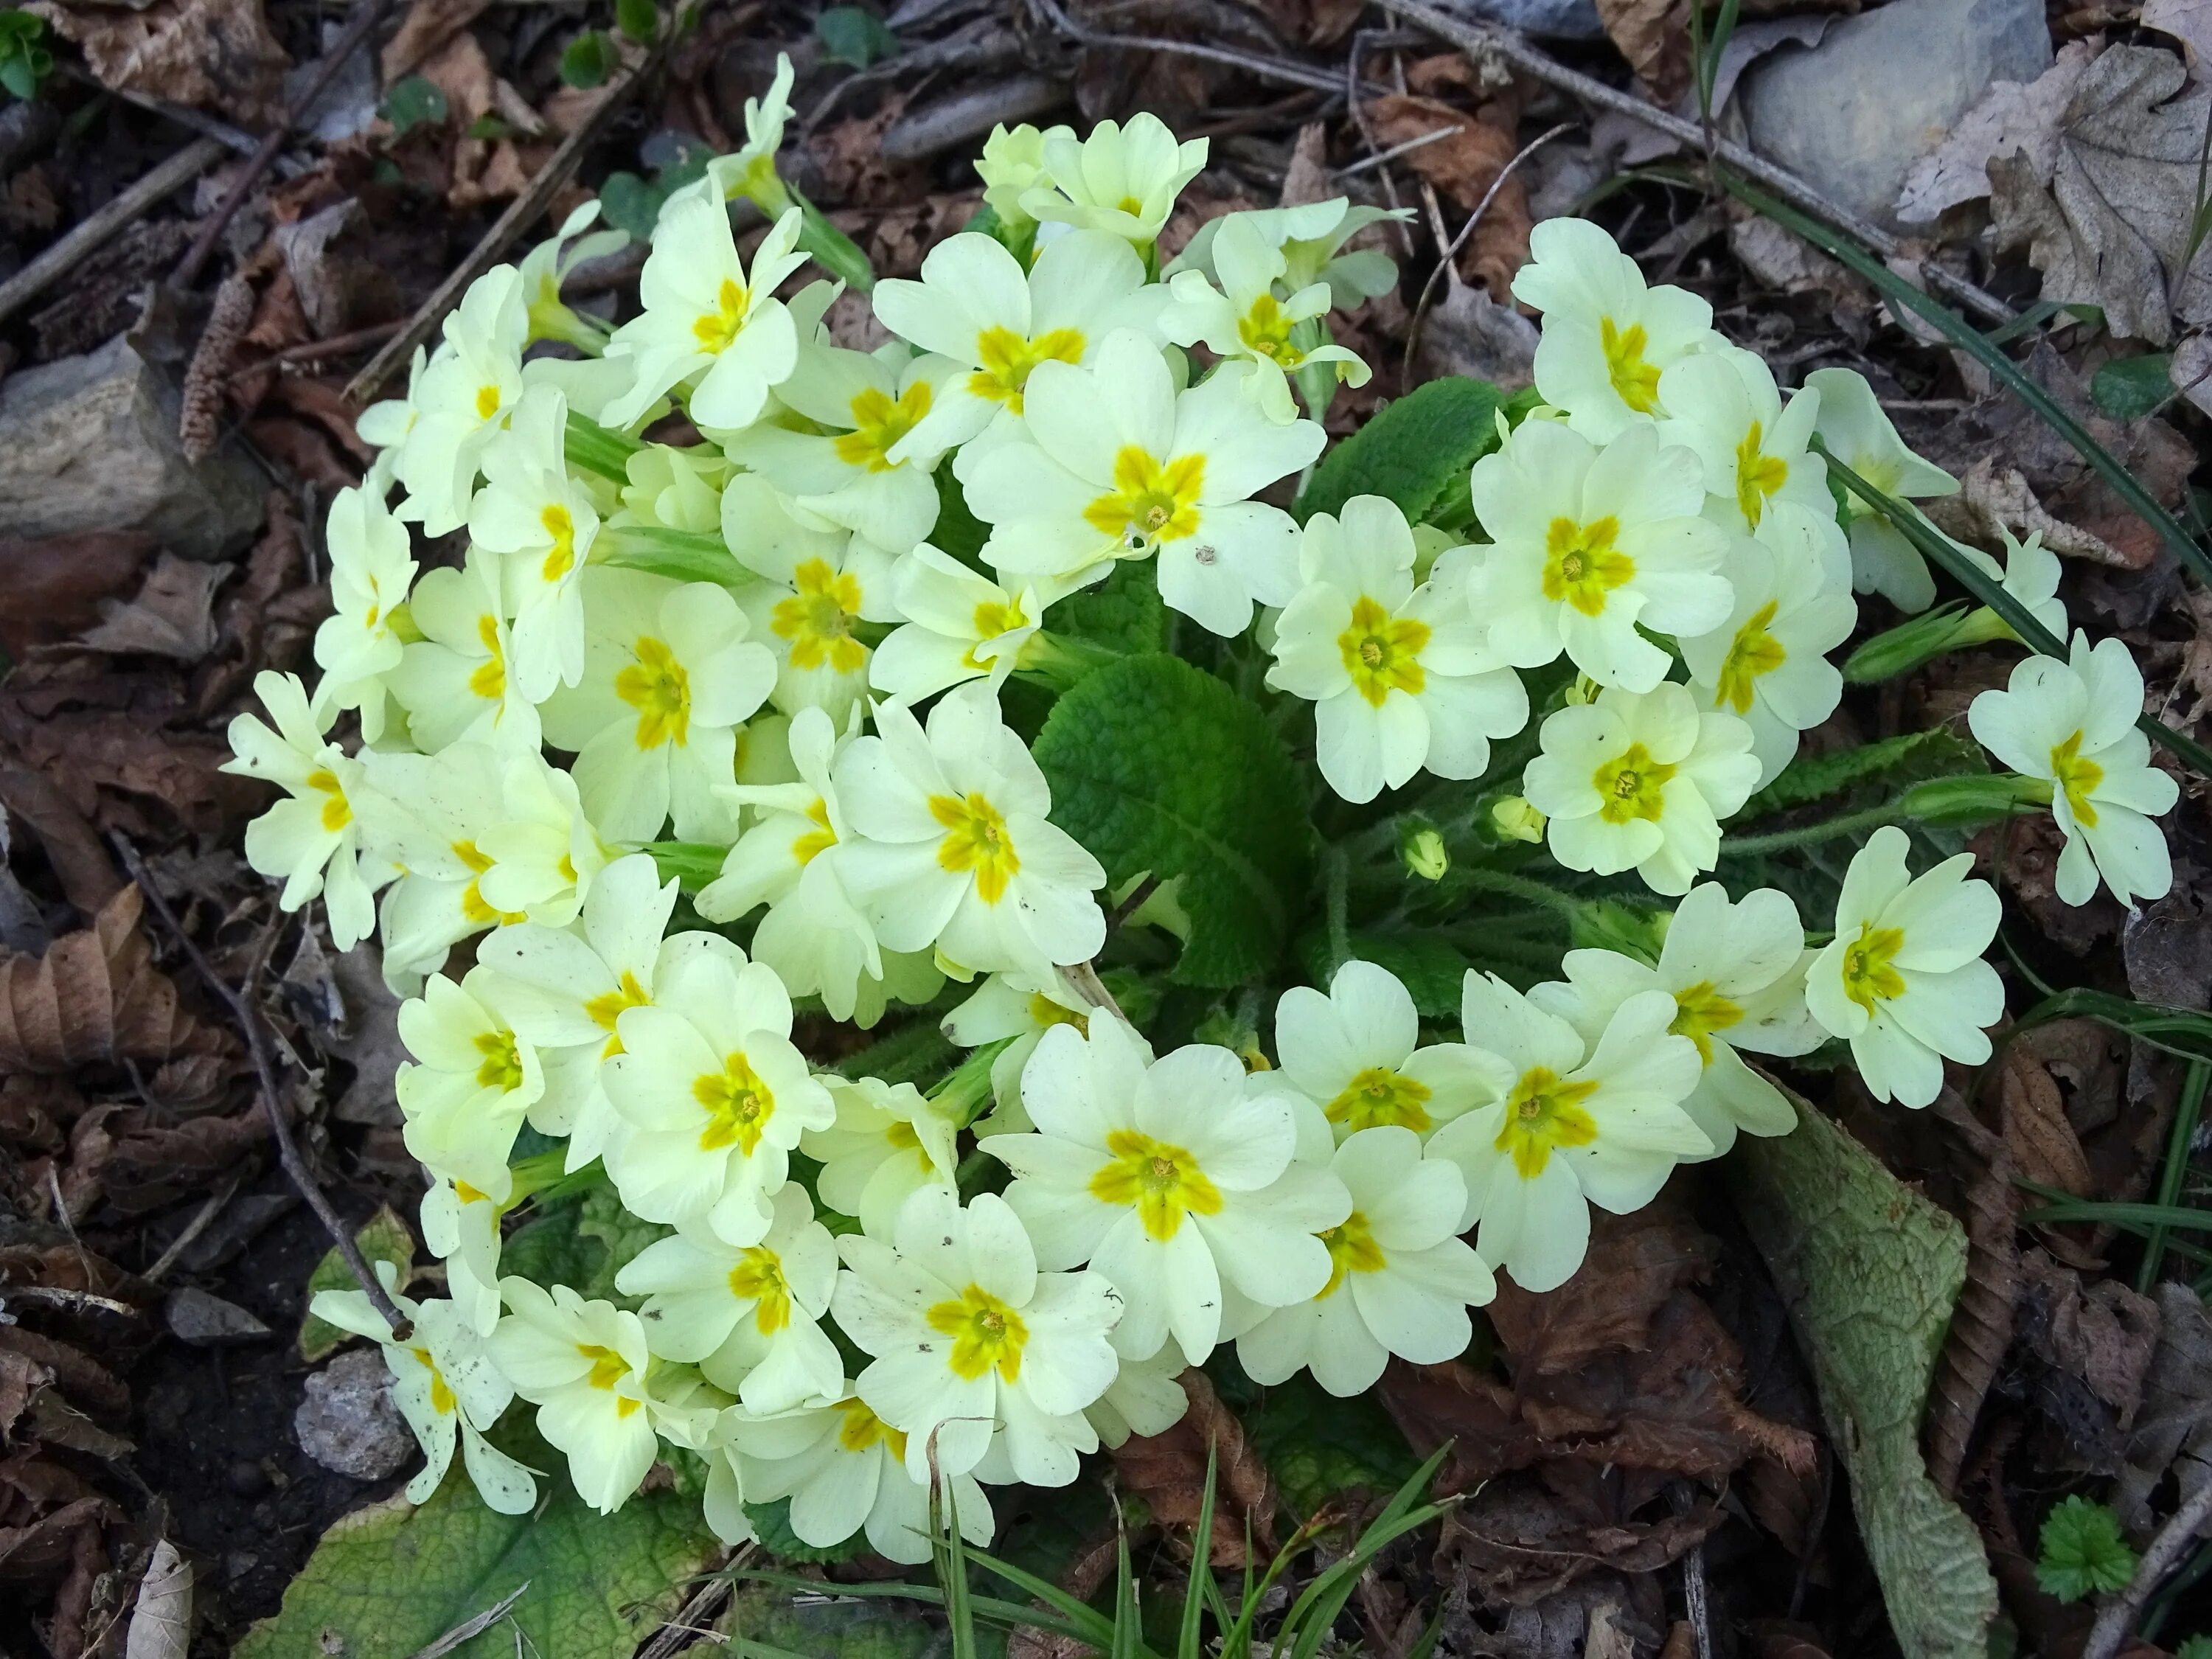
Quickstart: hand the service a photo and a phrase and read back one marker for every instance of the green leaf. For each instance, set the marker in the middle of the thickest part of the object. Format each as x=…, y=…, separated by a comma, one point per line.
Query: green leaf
x=588, y=59
x=413, y=102
x=549, y=1250
x=958, y=530
x=383, y=1237
x=853, y=36
x=1157, y=766
x=1124, y=612
x=1871, y=1271
x=2081, y=1552
x=1908, y=757
x=638, y=19
x=486, y=128
x=687, y=555
x=1416, y=451
x=386, y=1582
x=630, y=203
x=770, y=1622
x=772, y=1523
x=1429, y=966
x=918, y=1053
x=2129, y=388
x=602, y=1217
x=1317, y=1446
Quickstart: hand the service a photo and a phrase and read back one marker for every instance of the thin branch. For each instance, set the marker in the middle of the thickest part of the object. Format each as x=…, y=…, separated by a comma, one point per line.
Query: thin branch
x=1451, y=253
x=1270, y=69
x=2118, y=1614
x=69, y=252
x=248, y=1018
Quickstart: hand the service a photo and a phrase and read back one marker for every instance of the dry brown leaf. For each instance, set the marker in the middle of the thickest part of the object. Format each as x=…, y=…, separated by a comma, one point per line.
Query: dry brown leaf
x=2013, y=117
x=1654, y=36
x=2109, y=221
x=2042, y=1143
x=1981, y=1332
x=1168, y=1471
x=428, y=26
x=96, y=996
x=173, y=616
x=2189, y=22
x=1463, y=167
x=213, y=54
x=2092, y=1341
x=2172, y=1433
x=54, y=585
x=1465, y=332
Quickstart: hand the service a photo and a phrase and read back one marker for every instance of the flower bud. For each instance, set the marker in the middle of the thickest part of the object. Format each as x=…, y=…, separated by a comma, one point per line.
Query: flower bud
x=1513, y=818
x=1968, y=803
x=1421, y=849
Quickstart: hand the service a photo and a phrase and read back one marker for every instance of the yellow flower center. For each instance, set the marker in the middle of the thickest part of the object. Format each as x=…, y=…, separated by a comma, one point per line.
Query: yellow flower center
x=502, y=1061
x=1701, y=1011
x=758, y=1279
x=1265, y=332
x=1153, y=501
x=658, y=689
x=1631, y=786
x=488, y=402
x=1382, y=652
x=716, y=330
x=2076, y=775
x=1870, y=973
x=991, y=621
x=818, y=840
x=902, y=1137
x=862, y=1429
x=1351, y=1249
x=472, y=899
x=1046, y=1013
x=608, y=1369
x=1753, y=652
x=489, y=680
x=561, y=557
x=337, y=813
x=1163, y=1182
x=879, y=423
x=605, y=1010
x=986, y=1334
x=1636, y=381
x=1757, y=476
x=441, y=1396
x=1006, y=359
x=1582, y=565
x=819, y=620
x=975, y=840
x=1544, y=1111
x=1381, y=1098
x=739, y=1106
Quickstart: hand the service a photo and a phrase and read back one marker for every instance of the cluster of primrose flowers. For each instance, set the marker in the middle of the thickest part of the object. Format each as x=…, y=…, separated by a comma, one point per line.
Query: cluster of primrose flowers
x=750, y=643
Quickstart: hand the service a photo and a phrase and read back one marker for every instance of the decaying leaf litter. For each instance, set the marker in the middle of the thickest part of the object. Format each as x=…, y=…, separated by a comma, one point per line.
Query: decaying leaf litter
x=1821, y=1400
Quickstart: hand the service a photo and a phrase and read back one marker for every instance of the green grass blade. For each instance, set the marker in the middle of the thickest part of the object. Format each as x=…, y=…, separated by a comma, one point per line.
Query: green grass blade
x=1089, y=1624
x=952, y=1569
x=1971, y=340
x=1012, y=1615
x=2186, y=1114
x=1201, y=1568
x=2122, y=1215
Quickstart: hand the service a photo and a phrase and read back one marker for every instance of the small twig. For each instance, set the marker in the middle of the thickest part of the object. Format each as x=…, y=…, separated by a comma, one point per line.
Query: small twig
x=1451, y=253
x=1480, y=40
x=366, y=16
x=1129, y=906
x=691, y=1619
x=520, y=213
x=198, y=1225
x=1083, y=979
x=94, y=233
x=1359, y=39
x=316, y=351
x=1270, y=69
x=469, y=1629
x=243, y=143
x=2118, y=1615
x=56, y=1296
x=248, y=1017
x=1396, y=150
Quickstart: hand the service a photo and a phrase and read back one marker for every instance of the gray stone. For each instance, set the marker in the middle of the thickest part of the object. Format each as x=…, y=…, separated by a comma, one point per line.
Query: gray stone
x=208, y=1321
x=346, y=1422
x=1880, y=90
x=90, y=443
x=1558, y=20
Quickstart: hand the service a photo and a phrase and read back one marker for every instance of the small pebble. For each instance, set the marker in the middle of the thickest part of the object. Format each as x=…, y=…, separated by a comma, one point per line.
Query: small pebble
x=346, y=1422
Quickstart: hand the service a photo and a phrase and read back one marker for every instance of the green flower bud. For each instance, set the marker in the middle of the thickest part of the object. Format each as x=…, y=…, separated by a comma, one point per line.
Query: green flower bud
x=1512, y=818
x=1968, y=803
x=1421, y=848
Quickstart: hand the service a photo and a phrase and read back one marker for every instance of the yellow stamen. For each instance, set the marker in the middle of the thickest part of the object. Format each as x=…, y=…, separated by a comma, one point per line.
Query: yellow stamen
x=1544, y=1111
x=1163, y=1182
x=1636, y=381
x=879, y=423
x=1006, y=359
x=1351, y=1249
x=1382, y=652
x=739, y=1106
x=2076, y=775
x=1757, y=476
x=1870, y=974
x=1631, y=786
x=657, y=686
x=1379, y=1098
x=1754, y=652
x=1582, y=565
x=716, y=330
x=986, y=1334
x=975, y=839
x=758, y=1279
x=819, y=620
x=1154, y=501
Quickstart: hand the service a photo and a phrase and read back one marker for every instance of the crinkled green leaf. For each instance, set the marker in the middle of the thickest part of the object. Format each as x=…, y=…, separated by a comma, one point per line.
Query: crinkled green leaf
x=1315, y=1445
x=383, y=1237
x=958, y=530
x=1908, y=757
x=1157, y=766
x=388, y=1580
x=1429, y=966
x=1416, y=450
x=602, y=1218
x=918, y=1053
x=772, y=1525
x=2128, y=388
x=1871, y=1272
x=1123, y=612
x=547, y=1251
x=769, y=1620
x=412, y=102
x=853, y=36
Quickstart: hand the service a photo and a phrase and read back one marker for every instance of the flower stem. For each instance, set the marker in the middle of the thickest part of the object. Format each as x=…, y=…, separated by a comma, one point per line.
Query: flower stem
x=1483, y=879
x=1851, y=824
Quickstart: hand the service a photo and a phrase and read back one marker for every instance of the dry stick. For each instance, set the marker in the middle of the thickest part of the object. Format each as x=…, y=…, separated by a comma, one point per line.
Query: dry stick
x=520, y=213
x=1271, y=68
x=248, y=1018
x=1444, y=265
x=2117, y=1616
x=1480, y=41
x=72, y=250
x=366, y=16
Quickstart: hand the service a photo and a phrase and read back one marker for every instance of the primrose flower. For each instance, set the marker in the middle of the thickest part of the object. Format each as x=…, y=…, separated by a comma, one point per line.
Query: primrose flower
x=1736, y=973
x=1903, y=980
x=311, y=838
x=669, y=675
x=970, y=1341
x=1356, y=1053
x=844, y=1470
x=1116, y=464
x=471, y=1082
x=1022, y=1007
x=1860, y=435
x=674, y=489
x=1169, y=1179
x=888, y=1142
x=1400, y=678
x=372, y=564
x=1010, y=166
x=1310, y=237
x=460, y=1227
x=750, y=171
x=820, y=582
x=542, y=523
x=583, y=1364
x=453, y=682
x=445, y=1386
x=1590, y=543
x=960, y=625
x=976, y=307
x=716, y=1096
x=2030, y=575
x=750, y=1317
x=2072, y=725
x=1401, y=1279
x=1641, y=781
x=951, y=846
x=1607, y=338
x=1584, y=1123
x=1122, y=179
x=551, y=264
x=853, y=462
x=1723, y=403
x=707, y=319
x=1767, y=662
x=460, y=401
x=1244, y=320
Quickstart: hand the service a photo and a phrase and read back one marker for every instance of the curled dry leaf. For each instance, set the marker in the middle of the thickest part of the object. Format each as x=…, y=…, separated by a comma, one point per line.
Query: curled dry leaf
x=1168, y=1471
x=171, y=616
x=1463, y=167
x=2042, y=1144
x=1981, y=1330
x=161, y=1624
x=2173, y=1432
x=213, y=54
x=2013, y=117
x=2085, y=1351
x=55, y=584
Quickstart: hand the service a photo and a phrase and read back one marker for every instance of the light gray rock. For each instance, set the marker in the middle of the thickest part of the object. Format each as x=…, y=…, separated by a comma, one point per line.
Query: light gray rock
x=346, y=1422
x=208, y=1321
x=1881, y=90
x=90, y=443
